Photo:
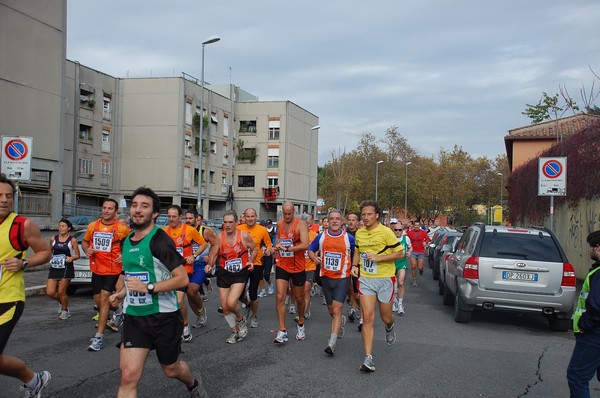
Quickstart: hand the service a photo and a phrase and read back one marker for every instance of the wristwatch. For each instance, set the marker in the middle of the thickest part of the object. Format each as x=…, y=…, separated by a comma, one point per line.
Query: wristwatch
x=25, y=264
x=150, y=287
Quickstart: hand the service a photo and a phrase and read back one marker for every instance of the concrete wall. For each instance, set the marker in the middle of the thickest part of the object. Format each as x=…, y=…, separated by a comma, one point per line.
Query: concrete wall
x=572, y=226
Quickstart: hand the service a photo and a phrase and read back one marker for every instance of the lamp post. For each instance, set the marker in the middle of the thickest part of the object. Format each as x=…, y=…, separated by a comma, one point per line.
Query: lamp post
x=377, y=178
x=406, y=188
x=501, y=183
x=210, y=40
x=310, y=167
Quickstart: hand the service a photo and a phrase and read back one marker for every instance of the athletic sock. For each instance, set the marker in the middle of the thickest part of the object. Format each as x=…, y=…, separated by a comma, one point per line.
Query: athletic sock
x=33, y=381
x=333, y=339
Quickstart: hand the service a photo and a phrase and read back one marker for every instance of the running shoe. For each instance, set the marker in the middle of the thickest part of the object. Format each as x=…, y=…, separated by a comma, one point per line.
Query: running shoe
x=420, y=272
x=351, y=314
x=209, y=288
x=271, y=289
x=253, y=322
x=368, y=365
x=341, y=332
x=248, y=311
x=36, y=391
x=97, y=344
x=343, y=320
x=281, y=337
x=187, y=334
x=96, y=317
x=300, y=333
x=312, y=291
x=390, y=335
x=330, y=350
x=262, y=293
x=243, y=328
x=220, y=310
x=116, y=322
x=395, y=305
x=293, y=309
x=198, y=391
x=201, y=319
x=307, y=314
x=360, y=325
x=400, y=309
x=234, y=338
x=64, y=315
x=415, y=283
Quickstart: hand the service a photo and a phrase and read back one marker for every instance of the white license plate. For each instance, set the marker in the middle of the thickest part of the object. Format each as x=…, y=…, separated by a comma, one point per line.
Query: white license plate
x=520, y=276
x=83, y=274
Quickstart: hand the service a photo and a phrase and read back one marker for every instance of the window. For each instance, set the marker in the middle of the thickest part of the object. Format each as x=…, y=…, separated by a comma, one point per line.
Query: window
x=85, y=132
x=213, y=118
x=273, y=162
x=246, y=181
x=213, y=147
x=225, y=155
x=211, y=177
x=248, y=126
x=195, y=177
x=105, y=167
x=225, y=126
x=105, y=140
x=187, y=149
x=274, y=126
x=106, y=112
x=187, y=183
x=85, y=166
x=272, y=182
x=188, y=113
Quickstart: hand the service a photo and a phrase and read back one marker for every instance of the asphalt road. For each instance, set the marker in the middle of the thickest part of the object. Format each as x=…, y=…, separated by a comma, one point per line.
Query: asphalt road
x=496, y=355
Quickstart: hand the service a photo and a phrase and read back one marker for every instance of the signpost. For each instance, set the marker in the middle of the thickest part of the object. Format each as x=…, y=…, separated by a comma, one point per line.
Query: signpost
x=552, y=180
x=16, y=160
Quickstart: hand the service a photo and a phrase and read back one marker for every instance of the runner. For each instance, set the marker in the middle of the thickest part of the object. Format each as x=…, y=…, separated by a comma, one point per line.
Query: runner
x=335, y=248
x=183, y=236
x=153, y=270
x=64, y=251
x=268, y=263
x=292, y=242
x=353, y=296
x=418, y=239
x=237, y=253
x=310, y=267
x=261, y=238
x=376, y=249
x=17, y=234
x=400, y=265
x=203, y=229
x=102, y=244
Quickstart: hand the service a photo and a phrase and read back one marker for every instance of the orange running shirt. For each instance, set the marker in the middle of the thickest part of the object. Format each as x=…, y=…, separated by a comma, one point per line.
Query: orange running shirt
x=106, y=242
x=183, y=236
x=291, y=262
x=259, y=235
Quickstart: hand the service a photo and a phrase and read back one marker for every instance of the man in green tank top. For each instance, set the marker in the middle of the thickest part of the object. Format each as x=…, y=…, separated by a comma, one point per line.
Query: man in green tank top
x=152, y=271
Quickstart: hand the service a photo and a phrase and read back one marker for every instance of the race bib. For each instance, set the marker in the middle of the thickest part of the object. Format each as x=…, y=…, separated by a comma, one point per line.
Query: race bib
x=286, y=243
x=368, y=266
x=234, y=265
x=136, y=298
x=103, y=241
x=195, y=247
x=58, y=261
x=180, y=251
x=333, y=261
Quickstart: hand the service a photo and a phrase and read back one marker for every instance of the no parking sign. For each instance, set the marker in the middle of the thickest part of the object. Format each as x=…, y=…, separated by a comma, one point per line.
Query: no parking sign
x=552, y=176
x=16, y=157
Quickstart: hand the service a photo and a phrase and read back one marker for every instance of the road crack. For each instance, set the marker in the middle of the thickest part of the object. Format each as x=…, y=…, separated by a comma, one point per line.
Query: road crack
x=538, y=373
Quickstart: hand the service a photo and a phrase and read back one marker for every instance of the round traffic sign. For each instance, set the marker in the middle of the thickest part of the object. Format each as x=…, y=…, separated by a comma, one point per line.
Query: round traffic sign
x=552, y=168
x=16, y=149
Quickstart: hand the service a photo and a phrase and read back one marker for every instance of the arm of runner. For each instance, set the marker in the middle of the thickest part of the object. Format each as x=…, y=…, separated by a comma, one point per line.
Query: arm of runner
x=355, y=264
x=117, y=298
x=75, y=254
x=303, y=231
x=252, y=250
x=37, y=243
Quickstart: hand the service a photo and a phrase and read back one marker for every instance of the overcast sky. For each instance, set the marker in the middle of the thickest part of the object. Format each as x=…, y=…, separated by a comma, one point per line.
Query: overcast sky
x=445, y=72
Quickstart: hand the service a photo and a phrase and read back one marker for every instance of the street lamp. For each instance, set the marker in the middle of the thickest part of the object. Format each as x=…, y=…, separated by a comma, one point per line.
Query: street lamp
x=210, y=40
x=501, y=183
x=406, y=188
x=377, y=177
x=315, y=128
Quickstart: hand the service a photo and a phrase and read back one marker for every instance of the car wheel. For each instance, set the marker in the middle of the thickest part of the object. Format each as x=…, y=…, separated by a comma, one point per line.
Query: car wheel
x=559, y=324
x=447, y=296
x=460, y=315
x=71, y=289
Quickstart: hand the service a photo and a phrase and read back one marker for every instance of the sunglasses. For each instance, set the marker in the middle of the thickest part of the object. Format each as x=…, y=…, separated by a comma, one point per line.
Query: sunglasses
x=397, y=229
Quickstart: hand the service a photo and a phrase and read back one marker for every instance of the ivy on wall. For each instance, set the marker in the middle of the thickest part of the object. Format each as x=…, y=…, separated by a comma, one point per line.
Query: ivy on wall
x=583, y=177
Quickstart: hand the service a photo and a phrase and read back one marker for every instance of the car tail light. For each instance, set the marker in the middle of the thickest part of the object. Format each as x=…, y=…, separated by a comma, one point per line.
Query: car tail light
x=568, y=278
x=444, y=240
x=471, y=268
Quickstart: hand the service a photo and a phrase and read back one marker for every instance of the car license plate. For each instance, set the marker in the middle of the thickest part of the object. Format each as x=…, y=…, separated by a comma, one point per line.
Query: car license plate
x=520, y=276
x=83, y=274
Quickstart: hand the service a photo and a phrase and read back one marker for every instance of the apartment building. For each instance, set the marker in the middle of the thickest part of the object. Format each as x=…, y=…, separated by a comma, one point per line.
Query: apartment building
x=98, y=136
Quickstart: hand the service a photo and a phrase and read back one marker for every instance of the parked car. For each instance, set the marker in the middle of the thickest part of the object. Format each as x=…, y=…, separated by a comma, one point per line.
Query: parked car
x=447, y=250
x=443, y=246
x=83, y=275
x=513, y=269
x=81, y=221
x=436, y=237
